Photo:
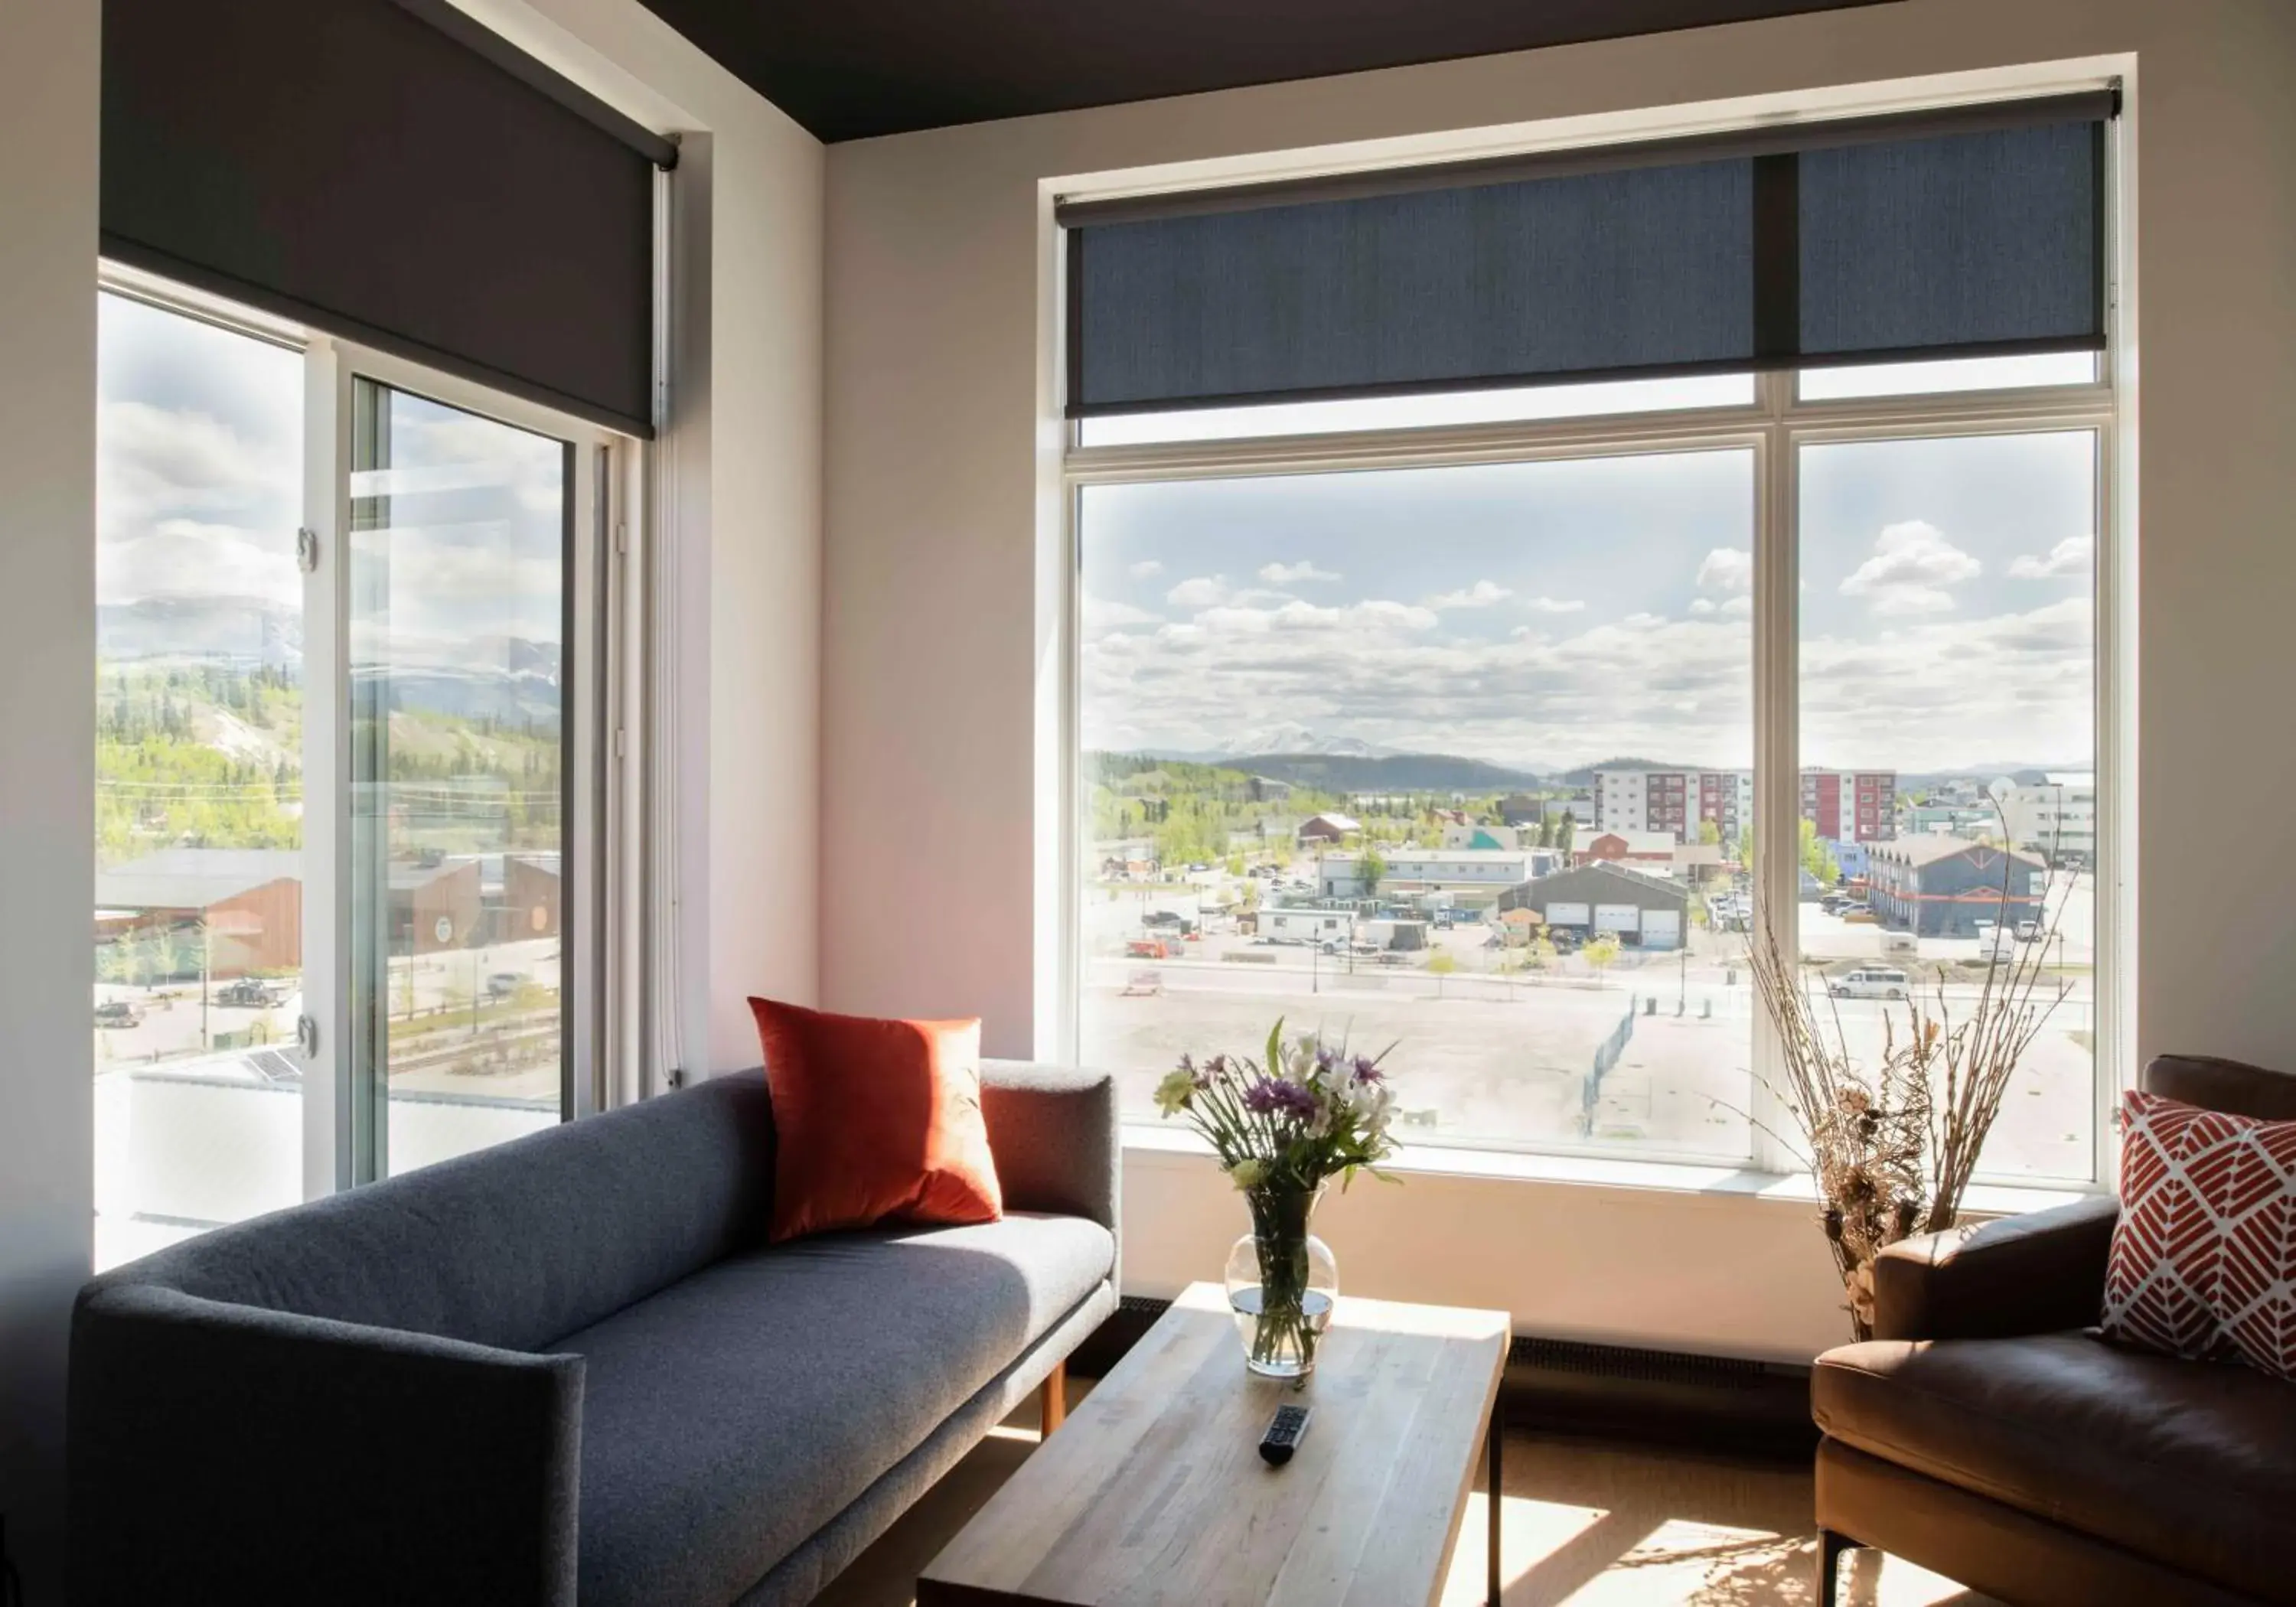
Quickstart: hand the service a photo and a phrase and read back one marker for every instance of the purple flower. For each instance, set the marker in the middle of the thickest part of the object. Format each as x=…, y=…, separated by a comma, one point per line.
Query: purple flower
x=1269, y=1096
x=1365, y=1071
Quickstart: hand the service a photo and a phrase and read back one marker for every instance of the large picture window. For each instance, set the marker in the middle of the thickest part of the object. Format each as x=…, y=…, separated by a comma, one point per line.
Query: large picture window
x=1453, y=737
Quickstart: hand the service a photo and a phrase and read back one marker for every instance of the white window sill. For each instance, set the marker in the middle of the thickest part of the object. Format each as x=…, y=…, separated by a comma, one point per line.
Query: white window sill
x=1166, y=1148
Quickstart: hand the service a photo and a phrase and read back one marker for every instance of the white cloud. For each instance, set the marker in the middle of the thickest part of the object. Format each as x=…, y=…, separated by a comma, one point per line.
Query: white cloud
x=1483, y=593
x=1203, y=591
x=1291, y=574
x=2069, y=557
x=1555, y=605
x=1912, y=565
x=1100, y=614
x=184, y=558
x=1726, y=569
x=1729, y=608
x=1147, y=568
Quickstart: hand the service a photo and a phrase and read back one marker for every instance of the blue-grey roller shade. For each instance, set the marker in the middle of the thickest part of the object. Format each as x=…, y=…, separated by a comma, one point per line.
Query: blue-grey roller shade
x=388, y=171
x=1979, y=232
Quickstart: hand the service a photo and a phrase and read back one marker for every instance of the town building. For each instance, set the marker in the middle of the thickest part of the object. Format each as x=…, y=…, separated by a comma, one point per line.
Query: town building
x=2056, y=816
x=1653, y=849
x=1328, y=829
x=1506, y=838
x=1851, y=806
x=1641, y=910
x=1944, y=887
x=244, y=906
x=1409, y=871
x=1306, y=925
x=1678, y=802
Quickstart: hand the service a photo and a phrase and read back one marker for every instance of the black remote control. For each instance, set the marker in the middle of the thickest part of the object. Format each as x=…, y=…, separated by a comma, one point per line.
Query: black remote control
x=1283, y=1435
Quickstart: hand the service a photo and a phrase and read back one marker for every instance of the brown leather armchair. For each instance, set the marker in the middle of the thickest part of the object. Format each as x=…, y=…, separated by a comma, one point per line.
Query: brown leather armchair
x=1984, y=1434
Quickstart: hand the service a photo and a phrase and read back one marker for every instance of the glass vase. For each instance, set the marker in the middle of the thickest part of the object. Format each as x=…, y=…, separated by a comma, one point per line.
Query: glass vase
x=1282, y=1284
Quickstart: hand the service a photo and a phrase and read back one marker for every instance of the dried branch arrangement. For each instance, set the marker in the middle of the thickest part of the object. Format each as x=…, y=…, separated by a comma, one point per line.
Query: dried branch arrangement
x=1891, y=1148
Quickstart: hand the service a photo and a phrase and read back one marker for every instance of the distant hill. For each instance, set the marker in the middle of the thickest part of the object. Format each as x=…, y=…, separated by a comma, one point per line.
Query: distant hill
x=1385, y=773
x=1584, y=775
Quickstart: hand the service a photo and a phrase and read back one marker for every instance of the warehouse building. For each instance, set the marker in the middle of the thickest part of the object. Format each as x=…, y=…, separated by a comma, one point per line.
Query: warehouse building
x=1641, y=910
x=1943, y=887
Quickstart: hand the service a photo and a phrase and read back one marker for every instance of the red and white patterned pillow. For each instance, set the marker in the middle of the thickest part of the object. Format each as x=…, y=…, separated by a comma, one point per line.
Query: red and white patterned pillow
x=2204, y=1257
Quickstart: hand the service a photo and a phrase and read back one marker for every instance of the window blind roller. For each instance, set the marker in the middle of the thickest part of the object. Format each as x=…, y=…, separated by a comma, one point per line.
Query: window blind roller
x=388, y=171
x=1973, y=232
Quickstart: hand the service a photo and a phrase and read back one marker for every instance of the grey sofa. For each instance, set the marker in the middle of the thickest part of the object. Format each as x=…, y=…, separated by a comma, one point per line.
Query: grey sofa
x=569, y=1369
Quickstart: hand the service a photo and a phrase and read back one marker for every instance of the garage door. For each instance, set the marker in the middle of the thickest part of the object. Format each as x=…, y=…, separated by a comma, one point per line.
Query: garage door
x=1566, y=914
x=1662, y=928
x=1617, y=918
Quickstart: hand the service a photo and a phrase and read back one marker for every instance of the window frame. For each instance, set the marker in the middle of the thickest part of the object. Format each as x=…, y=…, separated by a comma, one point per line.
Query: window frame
x=606, y=685
x=1775, y=426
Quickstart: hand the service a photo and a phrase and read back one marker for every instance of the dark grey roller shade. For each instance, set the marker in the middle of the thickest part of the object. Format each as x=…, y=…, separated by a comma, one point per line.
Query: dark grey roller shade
x=1975, y=232
x=389, y=173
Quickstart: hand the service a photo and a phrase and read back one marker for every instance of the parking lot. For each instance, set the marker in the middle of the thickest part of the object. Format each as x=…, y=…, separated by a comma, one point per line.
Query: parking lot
x=1485, y=1054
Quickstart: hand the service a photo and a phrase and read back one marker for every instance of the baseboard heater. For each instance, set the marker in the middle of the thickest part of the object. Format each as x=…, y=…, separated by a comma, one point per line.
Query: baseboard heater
x=1615, y=1391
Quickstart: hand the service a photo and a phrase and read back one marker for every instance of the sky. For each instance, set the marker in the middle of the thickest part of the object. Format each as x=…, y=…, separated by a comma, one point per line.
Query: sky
x=200, y=491
x=1543, y=616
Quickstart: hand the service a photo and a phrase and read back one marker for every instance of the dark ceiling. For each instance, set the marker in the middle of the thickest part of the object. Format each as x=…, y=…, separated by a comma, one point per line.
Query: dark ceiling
x=851, y=69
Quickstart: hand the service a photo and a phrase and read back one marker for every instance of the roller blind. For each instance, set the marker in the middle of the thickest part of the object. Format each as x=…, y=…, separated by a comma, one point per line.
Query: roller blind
x=1975, y=232
x=388, y=171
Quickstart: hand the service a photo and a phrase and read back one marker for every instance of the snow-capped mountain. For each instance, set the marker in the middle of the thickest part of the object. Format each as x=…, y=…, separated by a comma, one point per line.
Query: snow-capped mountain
x=1289, y=736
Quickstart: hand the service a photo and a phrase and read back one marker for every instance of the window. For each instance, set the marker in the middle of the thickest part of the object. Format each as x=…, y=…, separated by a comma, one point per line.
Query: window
x=1286, y=669
x=1393, y=652
x=310, y=976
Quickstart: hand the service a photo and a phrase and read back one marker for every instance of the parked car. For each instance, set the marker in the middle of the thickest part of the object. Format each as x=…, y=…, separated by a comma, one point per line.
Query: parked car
x=2029, y=931
x=1859, y=915
x=249, y=993
x=503, y=984
x=118, y=1013
x=1871, y=982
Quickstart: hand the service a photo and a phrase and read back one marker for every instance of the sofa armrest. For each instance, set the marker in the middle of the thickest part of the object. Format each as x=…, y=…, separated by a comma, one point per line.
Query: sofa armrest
x=225, y=1453
x=1053, y=1130
x=2033, y=1273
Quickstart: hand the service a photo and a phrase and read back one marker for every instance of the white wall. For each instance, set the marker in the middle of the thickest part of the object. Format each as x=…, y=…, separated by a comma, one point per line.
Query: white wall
x=745, y=453
x=939, y=654
x=47, y=742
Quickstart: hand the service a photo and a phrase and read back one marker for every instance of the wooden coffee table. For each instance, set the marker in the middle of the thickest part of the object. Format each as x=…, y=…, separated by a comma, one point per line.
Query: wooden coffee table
x=1153, y=1491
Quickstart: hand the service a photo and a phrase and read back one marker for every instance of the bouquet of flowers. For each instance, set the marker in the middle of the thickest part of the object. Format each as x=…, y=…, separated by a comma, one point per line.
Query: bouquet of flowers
x=1283, y=1127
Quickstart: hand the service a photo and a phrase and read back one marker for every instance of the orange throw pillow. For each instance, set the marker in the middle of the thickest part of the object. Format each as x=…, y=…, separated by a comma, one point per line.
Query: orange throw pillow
x=874, y=1121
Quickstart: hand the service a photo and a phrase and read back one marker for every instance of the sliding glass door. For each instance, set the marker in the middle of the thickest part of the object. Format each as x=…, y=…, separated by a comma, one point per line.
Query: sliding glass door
x=461, y=530
x=354, y=752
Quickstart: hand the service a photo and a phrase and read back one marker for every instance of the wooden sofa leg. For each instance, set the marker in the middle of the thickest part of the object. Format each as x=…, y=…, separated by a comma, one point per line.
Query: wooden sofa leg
x=1056, y=1397
x=1830, y=1547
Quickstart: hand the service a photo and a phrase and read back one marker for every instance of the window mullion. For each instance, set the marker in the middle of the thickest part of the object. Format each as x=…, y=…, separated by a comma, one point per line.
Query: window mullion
x=327, y=1154
x=1777, y=793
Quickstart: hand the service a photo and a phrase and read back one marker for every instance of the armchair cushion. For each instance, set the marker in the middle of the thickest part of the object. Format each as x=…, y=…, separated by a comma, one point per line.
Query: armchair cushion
x=2186, y=1463
x=2033, y=1273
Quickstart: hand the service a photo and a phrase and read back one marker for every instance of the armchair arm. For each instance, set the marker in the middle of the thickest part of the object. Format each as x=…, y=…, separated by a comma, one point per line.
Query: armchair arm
x=1053, y=1130
x=2033, y=1273
x=223, y=1453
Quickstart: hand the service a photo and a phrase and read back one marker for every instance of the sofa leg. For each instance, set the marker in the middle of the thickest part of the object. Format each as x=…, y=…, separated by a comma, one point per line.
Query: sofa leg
x=1830, y=1547
x=1056, y=1397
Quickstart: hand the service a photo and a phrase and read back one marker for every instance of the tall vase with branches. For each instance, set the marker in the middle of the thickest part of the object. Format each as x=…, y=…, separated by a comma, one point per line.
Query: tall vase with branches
x=1892, y=1147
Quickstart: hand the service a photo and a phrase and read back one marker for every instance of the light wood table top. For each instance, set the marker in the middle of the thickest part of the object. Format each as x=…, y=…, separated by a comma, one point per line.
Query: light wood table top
x=1154, y=1490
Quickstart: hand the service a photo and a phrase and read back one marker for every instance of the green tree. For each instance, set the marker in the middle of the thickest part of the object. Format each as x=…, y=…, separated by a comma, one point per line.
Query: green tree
x=1567, y=833
x=1602, y=953
x=1440, y=964
x=1709, y=831
x=1816, y=858
x=1372, y=870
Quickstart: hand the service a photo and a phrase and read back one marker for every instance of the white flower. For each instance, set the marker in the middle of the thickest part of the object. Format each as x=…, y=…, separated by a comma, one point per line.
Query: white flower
x=1248, y=1174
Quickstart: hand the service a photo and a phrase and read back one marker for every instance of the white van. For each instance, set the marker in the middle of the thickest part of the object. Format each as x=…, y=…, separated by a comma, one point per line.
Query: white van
x=1871, y=982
